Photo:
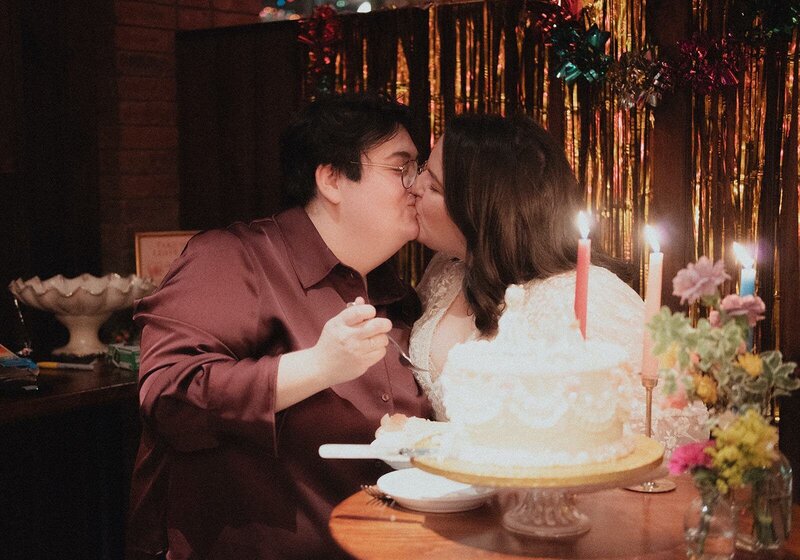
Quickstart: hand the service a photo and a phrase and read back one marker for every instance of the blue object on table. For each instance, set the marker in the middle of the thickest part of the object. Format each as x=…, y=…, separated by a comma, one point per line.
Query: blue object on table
x=16, y=371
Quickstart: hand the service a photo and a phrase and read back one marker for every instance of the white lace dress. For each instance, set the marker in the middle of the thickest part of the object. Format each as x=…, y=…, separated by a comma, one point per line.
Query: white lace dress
x=615, y=313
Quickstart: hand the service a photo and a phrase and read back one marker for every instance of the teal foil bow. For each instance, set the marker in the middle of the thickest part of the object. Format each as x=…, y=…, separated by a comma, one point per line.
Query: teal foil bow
x=580, y=53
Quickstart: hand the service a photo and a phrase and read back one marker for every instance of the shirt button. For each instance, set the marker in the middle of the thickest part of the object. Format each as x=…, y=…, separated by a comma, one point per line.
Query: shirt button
x=385, y=397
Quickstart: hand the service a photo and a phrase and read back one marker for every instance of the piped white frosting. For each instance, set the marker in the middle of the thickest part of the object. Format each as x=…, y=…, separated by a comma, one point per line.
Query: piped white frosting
x=558, y=400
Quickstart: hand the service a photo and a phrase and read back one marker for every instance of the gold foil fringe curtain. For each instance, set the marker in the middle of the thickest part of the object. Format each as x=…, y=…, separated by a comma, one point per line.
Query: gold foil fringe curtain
x=486, y=57
x=744, y=171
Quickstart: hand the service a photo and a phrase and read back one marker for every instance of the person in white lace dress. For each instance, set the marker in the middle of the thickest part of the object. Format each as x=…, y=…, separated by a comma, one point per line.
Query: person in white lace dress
x=506, y=216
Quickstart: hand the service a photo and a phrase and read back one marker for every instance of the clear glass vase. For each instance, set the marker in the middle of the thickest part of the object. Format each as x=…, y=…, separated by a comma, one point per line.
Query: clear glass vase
x=709, y=528
x=764, y=509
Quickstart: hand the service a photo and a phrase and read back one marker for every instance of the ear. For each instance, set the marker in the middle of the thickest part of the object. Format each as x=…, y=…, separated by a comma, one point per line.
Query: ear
x=328, y=183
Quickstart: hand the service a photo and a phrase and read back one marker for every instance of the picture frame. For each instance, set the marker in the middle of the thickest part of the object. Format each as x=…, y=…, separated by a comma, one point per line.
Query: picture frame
x=155, y=251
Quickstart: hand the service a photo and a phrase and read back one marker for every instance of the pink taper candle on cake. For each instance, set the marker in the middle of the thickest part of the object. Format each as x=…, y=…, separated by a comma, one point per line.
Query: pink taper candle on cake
x=652, y=300
x=582, y=277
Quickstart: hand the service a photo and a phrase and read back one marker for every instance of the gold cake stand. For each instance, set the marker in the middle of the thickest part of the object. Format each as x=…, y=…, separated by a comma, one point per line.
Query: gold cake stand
x=548, y=508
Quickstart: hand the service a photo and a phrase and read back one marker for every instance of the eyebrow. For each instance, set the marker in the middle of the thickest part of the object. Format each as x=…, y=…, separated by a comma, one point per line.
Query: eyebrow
x=404, y=154
x=401, y=153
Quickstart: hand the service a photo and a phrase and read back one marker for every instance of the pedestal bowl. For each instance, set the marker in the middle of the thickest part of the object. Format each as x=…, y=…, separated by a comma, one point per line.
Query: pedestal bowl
x=81, y=304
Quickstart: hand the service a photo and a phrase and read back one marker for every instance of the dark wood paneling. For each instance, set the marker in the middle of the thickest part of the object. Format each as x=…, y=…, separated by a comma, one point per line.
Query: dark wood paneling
x=49, y=183
x=237, y=90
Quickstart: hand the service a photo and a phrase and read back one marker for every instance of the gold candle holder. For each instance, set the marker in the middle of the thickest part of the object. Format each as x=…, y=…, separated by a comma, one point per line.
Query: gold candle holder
x=659, y=485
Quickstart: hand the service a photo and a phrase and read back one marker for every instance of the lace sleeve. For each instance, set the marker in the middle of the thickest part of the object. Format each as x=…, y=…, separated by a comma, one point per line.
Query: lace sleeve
x=437, y=289
x=433, y=272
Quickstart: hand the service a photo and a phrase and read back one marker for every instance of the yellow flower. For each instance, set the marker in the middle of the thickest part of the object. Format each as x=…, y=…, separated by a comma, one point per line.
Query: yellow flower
x=728, y=454
x=705, y=388
x=751, y=363
x=669, y=359
x=749, y=442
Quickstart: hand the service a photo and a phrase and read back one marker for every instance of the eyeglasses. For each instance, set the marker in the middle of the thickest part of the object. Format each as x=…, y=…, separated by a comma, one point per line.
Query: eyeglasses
x=408, y=171
x=434, y=181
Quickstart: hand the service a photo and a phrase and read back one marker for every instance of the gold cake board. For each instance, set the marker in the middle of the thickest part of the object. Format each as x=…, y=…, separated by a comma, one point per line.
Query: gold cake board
x=646, y=456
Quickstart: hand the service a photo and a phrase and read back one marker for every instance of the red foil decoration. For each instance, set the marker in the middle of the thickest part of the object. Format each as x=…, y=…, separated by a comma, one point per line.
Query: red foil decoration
x=547, y=16
x=322, y=32
x=708, y=65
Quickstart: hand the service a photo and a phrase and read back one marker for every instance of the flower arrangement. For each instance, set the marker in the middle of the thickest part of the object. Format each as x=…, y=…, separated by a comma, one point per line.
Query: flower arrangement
x=712, y=361
x=742, y=448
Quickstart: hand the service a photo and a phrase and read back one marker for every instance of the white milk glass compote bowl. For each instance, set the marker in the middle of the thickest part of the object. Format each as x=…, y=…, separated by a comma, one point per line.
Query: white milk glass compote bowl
x=82, y=304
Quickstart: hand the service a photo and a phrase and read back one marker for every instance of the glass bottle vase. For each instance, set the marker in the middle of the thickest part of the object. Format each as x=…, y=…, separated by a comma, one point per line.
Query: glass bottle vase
x=764, y=509
x=709, y=528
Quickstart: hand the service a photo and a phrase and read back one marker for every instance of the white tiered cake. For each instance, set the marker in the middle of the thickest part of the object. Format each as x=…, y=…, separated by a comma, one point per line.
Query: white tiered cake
x=517, y=401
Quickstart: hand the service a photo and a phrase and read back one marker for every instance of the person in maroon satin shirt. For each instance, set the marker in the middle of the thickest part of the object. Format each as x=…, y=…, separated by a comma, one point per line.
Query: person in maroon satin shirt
x=251, y=357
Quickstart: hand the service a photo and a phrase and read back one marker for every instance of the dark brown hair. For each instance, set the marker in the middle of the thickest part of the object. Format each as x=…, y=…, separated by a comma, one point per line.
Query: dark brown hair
x=336, y=130
x=511, y=191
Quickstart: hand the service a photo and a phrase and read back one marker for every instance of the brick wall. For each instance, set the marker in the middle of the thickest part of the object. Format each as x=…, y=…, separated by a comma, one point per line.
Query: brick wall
x=138, y=136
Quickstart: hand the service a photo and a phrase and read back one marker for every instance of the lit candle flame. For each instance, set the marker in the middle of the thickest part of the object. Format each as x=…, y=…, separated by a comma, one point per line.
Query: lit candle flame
x=742, y=255
x=651, y=235
x=583, y=224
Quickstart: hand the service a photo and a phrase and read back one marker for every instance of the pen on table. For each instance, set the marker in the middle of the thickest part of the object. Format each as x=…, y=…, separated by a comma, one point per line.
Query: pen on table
x=63, y=365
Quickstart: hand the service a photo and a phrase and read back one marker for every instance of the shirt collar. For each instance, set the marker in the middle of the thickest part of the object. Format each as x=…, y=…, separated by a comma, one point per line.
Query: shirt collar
x=313, y=260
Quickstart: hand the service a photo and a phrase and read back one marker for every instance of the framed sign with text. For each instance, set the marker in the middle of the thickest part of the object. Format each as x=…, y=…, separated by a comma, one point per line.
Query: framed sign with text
x=155, y=251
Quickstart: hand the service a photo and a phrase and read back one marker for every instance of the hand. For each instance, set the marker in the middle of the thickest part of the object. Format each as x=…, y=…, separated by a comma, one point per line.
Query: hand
x=351, y=342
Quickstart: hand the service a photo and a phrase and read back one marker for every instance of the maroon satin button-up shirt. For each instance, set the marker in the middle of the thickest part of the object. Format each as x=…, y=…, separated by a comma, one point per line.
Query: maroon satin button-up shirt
x=219, y=473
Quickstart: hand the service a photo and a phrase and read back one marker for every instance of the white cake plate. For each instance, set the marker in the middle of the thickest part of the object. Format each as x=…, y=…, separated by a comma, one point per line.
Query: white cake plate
x=548, y=509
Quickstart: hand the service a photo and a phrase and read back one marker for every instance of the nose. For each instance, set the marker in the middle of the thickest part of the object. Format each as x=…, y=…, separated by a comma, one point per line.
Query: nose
x=418, y=188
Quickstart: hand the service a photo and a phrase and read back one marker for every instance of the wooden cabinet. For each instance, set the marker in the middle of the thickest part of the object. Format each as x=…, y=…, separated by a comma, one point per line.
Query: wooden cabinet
x=66, y=455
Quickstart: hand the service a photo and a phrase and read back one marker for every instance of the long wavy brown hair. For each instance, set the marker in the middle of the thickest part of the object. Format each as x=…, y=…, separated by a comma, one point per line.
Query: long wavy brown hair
x=511, y=191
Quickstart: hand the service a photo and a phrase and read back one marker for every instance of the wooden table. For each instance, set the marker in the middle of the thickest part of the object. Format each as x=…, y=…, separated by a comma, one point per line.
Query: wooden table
x=625, y=524
x=66, y=390
x=65, y=465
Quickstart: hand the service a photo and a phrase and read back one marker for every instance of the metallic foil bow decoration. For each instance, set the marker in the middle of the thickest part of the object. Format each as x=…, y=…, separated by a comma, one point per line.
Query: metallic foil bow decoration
x=758, y=22
x=322, y=32
x=708, y=65
x=580, y=53
x=639, y=78
x=546, y=15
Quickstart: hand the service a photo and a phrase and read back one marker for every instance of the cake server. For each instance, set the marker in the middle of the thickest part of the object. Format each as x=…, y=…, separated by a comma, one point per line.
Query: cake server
x=363, y=451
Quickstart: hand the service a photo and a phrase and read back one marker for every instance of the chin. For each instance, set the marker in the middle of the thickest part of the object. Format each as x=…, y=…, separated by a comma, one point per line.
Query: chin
x=444, y=248
x=412, y=232
x=425, y=240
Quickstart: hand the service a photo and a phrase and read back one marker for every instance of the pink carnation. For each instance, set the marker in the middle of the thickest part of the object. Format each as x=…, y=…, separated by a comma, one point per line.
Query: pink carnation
x=699, y=279
x=690, y=456
x=714, y=318
x=751, y=306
